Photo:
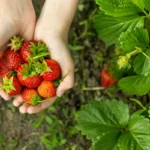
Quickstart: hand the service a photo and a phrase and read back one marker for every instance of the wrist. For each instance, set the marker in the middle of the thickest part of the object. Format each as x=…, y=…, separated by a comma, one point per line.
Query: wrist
x=57, y=16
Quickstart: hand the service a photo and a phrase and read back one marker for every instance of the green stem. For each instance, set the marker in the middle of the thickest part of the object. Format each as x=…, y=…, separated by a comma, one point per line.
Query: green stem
x=139, y=103
x=64, y=76
x=145, y=55
x=145, y=13
x=42, y=55
x=138, y=50
x=44, y=100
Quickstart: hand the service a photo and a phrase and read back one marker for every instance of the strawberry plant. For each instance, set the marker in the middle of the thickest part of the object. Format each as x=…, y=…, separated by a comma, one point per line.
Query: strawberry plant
x=125, y=23
x=112, y=124
x=111, y=127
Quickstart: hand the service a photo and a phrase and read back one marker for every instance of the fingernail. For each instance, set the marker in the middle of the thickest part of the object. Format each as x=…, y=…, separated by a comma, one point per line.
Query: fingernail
x=15, y=104
x=30, y=111
x=60, y=94
x=22, y=111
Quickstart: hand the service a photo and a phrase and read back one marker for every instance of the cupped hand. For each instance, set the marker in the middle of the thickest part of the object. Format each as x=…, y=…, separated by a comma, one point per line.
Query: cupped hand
x=17, y=17
x=57, y=44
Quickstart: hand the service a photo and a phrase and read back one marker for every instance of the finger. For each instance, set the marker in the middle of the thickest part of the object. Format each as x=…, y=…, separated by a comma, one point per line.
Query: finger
x=6, y=32
x=68, y=75
x=36, y=109
x=18, y=101
x=4, y=95
x=23, y=108
x=65, y=85
x=28, y=32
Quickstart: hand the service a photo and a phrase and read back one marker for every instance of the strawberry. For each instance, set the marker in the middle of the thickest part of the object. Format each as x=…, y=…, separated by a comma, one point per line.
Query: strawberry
x=28, y=77
x=106, y=78
x=1, y=55
x=13, y=59
x=11, y=85
x=31, y=96
x=3, y=68
x=54, y=72
x=34, y=49
x=47, y=89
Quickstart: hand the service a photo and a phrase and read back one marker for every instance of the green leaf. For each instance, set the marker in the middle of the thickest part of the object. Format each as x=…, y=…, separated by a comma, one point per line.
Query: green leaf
x=118, y=8
x=99, y=117
x=139, y=3
x=138, y=135
x=142, y=64
x=134, y=38
x=75, y=47
x=38, y=122
x=147, y=4
x=138, y=85
x=108, y=141
x=110, y=28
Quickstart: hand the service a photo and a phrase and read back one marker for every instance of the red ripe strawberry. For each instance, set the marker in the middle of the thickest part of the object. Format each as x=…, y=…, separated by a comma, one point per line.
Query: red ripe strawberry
x=31, y=97
x=47, y=89
x=27, y=77
x=13, y=59
x=106, y=79
x=3, y=68
x=34, y=49
x=54, y=72
x=1, y=55
x=11, y=85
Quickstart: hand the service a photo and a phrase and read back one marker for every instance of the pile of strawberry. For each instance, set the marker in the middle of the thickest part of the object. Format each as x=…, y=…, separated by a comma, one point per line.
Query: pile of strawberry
x=26, y=69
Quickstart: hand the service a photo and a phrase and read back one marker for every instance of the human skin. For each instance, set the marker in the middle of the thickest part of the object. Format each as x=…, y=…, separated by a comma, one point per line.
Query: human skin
x=17, y=17
x=52, y=28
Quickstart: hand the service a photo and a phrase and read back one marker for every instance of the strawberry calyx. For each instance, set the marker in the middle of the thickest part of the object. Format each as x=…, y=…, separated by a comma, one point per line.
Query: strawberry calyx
x=38, y=50
x=36, y=99
x=29, y=70
x=15, y=43
x=8, y=84
x=41, y=67
x=12, y=73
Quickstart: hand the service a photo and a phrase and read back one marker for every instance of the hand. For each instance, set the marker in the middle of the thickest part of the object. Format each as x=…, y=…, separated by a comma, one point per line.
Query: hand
x=57, y=44
x=17, y=17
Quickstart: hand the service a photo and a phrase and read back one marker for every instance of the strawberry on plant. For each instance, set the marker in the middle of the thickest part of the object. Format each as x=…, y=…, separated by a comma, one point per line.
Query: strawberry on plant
x=33, y=49
x=11, y=85
x=31, y=96
x=106, y=78
x=28, y=77
x=47, y=89
x=54, y=72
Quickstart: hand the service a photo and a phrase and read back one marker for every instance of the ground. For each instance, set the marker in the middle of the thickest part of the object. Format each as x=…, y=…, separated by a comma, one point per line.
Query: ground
x=55, y=127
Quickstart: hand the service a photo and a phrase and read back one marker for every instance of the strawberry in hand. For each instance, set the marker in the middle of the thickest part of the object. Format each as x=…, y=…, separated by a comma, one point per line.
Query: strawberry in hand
x=3, y=68
x=106, y=78
x=54, y=72
x=34, y=49
x=12, y=56
x=47, y=89
x=28, y=77
x=31, y=97
x=11, y=85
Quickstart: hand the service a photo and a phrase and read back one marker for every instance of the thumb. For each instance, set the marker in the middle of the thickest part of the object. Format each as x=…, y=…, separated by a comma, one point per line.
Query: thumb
x=67, y=83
